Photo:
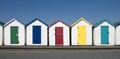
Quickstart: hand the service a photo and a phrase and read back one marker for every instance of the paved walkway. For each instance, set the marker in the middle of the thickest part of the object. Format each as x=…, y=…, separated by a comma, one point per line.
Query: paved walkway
x=59, y=53
x=59, y=47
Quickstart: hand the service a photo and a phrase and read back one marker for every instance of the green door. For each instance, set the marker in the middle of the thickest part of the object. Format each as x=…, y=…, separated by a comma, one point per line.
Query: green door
x=14, y=35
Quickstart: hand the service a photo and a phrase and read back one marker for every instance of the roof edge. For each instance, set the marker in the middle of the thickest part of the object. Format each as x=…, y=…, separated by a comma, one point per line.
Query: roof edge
x=12, y=20
x=57, y=22
x=35, y=20
x=100, y=22
x=81, y=20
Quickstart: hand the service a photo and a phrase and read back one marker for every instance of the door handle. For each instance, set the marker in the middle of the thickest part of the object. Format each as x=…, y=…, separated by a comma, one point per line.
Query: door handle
x=16, y=34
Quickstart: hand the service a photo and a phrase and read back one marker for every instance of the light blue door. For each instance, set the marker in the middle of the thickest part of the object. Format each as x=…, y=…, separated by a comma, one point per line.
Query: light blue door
x=104, y=35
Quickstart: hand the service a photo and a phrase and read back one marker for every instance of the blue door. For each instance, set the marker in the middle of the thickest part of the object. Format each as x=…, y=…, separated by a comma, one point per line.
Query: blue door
x=104, y=35
x=36, y=34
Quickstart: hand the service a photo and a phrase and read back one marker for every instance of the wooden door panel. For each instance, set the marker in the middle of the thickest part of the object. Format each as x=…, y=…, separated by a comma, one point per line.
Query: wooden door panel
x=59, y=35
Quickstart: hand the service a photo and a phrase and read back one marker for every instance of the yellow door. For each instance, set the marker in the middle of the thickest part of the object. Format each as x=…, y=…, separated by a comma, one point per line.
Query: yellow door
x=81, y=35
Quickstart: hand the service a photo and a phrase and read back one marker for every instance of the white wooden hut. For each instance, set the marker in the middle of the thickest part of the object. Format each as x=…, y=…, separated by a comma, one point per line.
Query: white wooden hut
x=1, y=34
x=14, y=33
x=118, y=35
x=59, y=34
x=81, y=32
x=104, y=33
x=36, y=33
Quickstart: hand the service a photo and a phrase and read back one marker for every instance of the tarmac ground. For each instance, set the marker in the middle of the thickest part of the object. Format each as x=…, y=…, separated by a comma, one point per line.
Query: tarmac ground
x=74, y=52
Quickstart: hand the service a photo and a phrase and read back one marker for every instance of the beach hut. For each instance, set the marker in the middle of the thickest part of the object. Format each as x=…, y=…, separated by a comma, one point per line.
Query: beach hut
x=36, y=33
x=81, y=32
x=104, y=33
x=59, y=34
x=1, y=34
x=118, y=35
x=14, y=33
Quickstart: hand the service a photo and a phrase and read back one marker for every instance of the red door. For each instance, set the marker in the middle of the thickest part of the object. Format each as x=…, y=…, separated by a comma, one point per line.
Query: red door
x=59, y=35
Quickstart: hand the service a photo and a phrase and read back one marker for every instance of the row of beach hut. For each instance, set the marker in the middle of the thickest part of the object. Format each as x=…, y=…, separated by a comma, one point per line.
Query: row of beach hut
x=80, y=32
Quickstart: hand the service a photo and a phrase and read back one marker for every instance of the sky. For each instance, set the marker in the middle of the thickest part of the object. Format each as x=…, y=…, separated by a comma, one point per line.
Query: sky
x=66, y=10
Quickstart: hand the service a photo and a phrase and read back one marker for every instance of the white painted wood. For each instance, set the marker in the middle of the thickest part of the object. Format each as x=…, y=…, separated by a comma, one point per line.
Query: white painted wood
x=118, y=35
x=66, y=34
x=97, y=34
x=1, y=34
x=21, y=31
x=29, y=33
x=74, y=33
